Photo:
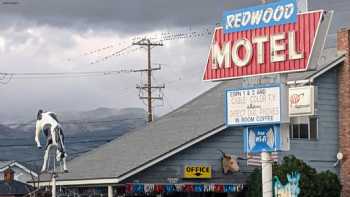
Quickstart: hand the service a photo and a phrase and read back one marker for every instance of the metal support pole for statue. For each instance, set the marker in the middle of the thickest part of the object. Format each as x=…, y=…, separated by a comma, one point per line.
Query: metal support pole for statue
x=53, y=187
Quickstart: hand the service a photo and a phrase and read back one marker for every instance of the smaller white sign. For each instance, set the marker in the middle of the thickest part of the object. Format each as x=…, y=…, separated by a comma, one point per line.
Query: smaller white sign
x=301, y=101
x=253, y=106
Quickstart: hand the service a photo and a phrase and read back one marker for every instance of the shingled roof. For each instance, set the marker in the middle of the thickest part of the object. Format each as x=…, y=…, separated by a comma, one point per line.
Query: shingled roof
x=181, y=128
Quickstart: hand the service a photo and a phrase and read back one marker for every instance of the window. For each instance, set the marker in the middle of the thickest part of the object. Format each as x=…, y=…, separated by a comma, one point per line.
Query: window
x=304, y=127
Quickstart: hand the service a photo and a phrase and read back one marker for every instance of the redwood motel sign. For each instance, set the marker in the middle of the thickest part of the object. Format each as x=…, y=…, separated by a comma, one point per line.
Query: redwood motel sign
x=265, y=39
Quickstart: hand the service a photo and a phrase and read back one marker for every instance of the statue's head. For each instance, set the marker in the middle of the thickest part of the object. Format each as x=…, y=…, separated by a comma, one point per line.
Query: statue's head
x=39, y=115
x=229, y=163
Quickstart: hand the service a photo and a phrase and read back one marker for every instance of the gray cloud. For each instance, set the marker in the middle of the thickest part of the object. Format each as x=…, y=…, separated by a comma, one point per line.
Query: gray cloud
x=39, y=36
x=124, y=16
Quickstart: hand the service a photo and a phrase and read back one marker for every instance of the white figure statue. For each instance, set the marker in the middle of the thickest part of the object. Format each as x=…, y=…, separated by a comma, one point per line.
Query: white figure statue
x=47, y=122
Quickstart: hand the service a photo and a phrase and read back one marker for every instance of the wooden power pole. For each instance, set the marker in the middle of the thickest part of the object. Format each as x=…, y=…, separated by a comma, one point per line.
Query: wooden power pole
x=148, y=86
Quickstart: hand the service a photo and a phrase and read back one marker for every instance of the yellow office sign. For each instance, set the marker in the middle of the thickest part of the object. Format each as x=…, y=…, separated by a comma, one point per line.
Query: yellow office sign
x=197, y=172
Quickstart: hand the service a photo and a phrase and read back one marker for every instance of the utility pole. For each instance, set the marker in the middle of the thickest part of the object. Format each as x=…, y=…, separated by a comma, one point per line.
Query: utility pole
x=148, y=86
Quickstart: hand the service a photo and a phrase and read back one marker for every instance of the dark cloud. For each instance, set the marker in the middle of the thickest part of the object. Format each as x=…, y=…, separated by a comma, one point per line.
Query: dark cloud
x=127, y=16
x=137, y=15
x=38, y=35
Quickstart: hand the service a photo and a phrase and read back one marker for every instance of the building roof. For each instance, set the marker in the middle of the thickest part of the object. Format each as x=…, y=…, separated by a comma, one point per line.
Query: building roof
x=179, y=129
x=14, y=187
x=6, y=164
x=329, y=58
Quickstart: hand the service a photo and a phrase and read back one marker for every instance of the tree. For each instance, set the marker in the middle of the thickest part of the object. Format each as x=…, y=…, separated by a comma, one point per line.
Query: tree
x=306, y=183
x=254, y=184
x=328, y=184
x=311, y=183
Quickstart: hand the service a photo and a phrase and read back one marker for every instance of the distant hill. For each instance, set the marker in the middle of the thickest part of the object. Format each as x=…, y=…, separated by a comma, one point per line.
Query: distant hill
x=84, y=130
x=100, y=119
x=7, y=132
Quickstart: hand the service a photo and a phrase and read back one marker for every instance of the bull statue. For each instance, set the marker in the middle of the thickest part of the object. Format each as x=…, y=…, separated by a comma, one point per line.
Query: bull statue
x=48, y=123
x=230, y=162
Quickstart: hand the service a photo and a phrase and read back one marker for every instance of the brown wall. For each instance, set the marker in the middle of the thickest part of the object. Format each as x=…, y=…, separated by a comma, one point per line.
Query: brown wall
x=343, y=45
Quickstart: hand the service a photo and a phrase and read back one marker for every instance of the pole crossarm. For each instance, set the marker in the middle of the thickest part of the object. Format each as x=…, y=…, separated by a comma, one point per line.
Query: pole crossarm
x=152, y=98
x=147, y=42
x=145, y=87
x=146, y=70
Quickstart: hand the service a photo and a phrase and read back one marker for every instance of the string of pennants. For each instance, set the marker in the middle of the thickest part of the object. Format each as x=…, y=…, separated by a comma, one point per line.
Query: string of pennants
x=255, y=159
x=124, y=51
x=154, y=37
x=143, y=188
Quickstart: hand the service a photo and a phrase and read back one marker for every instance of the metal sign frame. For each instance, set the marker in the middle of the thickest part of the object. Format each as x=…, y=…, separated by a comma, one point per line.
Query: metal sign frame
x=250, y=88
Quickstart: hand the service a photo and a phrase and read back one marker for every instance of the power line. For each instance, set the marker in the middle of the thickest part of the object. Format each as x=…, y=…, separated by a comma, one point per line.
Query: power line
x=66, y=73
x=117, y=53
x=159, y=36
x=6, y=77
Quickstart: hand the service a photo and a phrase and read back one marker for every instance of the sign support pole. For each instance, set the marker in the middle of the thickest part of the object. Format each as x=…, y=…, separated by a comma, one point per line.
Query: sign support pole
x=266, y=174
x=110, y=191
x=53, y=191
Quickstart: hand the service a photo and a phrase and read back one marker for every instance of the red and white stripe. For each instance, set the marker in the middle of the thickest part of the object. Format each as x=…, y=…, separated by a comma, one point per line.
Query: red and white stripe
x=255, y=159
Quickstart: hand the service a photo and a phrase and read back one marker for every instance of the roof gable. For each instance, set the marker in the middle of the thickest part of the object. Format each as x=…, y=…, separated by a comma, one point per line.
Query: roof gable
x=6, y=164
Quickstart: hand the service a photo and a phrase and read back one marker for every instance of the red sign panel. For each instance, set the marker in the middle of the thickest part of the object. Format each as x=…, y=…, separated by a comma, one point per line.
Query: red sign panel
x=276, y=49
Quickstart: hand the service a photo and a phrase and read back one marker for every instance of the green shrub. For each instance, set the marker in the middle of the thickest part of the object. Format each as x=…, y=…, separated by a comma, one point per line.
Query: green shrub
x=312, y=184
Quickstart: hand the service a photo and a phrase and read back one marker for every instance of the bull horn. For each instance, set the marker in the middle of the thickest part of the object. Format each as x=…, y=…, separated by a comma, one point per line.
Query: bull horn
x=222, y=152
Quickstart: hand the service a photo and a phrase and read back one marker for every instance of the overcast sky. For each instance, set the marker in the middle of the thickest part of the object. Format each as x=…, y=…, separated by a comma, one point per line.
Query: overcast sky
x=53, y=35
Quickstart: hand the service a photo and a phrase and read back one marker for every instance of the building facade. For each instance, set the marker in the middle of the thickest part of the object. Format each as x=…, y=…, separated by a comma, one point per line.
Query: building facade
x=152, y=161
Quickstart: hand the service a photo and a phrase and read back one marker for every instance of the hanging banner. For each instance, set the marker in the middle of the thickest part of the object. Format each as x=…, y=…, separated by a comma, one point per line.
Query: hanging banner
x=277, y=13
x=258, y=49
x=259, y=139
x=197, y=172
x=301, y=101
x=253, y=106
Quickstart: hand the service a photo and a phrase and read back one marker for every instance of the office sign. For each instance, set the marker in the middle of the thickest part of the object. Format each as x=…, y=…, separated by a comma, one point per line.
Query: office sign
x=301, y=101
x=262, y=139
x=253, y=106
x=277, y=13
x=281, y=48
x=197, y=172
